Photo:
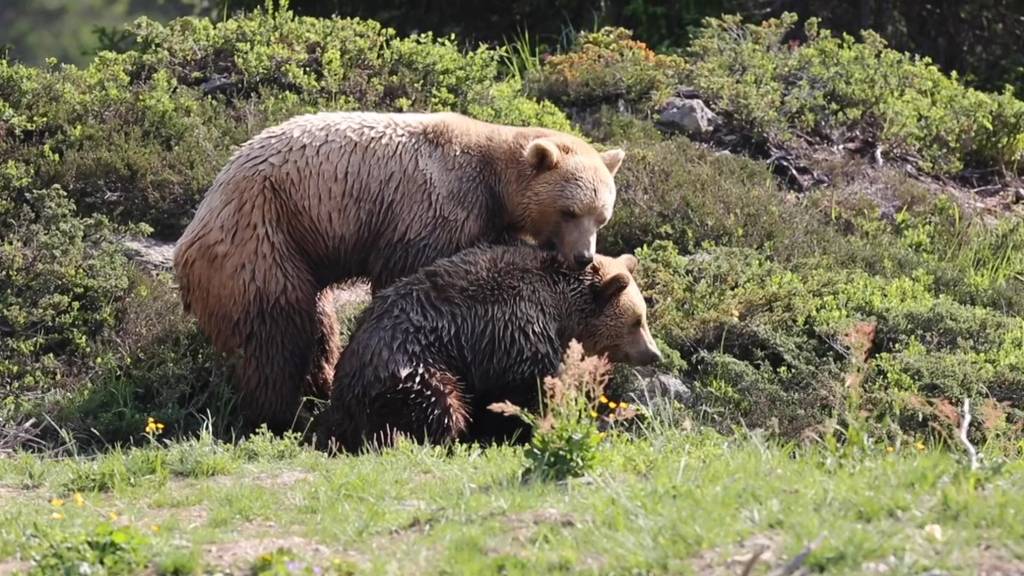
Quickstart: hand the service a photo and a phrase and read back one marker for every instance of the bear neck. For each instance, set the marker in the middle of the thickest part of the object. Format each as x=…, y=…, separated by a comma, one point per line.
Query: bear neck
x=578, y=304
x=503, y=151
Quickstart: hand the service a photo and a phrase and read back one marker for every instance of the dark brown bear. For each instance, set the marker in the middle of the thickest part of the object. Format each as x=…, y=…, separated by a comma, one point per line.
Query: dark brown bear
x=431, y=352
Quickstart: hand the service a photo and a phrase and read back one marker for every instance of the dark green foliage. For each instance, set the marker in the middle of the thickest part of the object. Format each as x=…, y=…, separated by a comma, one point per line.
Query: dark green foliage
x=157, y=364
x=872, y=299
x=763, y=324
x=771, y=346
x=837, y=90
x=139, y=136
x=103, y=549
x=61, y=283
x=673, y=190
x=88, y=339
x=829, y=90
x=980, y=39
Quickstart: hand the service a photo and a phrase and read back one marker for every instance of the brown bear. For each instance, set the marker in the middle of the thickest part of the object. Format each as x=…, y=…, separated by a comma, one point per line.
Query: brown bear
x=430, y=353
x=327, y=197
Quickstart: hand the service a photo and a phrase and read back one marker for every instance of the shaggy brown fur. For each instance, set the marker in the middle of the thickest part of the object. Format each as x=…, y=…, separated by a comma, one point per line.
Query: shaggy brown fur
x=431, y=352
x=327, y=197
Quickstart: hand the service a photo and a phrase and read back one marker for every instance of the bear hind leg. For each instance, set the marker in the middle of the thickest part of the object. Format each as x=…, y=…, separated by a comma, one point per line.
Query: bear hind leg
x=328, y=347
x=275, y=365
x=428, y=406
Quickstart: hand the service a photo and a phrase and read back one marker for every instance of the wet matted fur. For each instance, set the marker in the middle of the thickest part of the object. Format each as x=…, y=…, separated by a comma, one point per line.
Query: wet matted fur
x=328, y=197
x=431, y=352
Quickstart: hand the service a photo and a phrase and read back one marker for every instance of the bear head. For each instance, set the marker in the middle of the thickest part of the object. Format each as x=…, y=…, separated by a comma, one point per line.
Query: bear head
x=619, y=327
x=567, y=196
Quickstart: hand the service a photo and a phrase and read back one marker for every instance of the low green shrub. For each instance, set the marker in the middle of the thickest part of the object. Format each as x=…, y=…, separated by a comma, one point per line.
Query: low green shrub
x=830, y=90
x=676, y=191
x=61, y=283
x=101, y=549
x=838, y=89
x=673, y=190
x=89, y=341
x=790, y=348
x=139, y=135
x=155, y=363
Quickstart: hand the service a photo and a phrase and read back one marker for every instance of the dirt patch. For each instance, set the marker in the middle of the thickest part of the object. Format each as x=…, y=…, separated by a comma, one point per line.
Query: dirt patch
x=993, y=562
x=13, y=567
x=241, y=554
x=189, y=518
x=534, y=518
x=11, y=494
x=282, y=479
x=750, y=556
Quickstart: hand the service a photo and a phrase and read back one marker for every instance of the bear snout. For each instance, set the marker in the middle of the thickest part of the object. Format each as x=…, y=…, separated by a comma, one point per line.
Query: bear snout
x=583, y=258
x=654, y=356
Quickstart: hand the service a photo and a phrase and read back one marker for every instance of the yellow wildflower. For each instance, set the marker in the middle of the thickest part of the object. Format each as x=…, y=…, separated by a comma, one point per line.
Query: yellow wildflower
x=57, y=516
x=57, y=502
x=79, y=501
x=612, y=405
x=603, y=399
x=919, y=445
x=890, y=449
x=593, y=414
x=153, y=427
x=154, y=528
x=112, y=516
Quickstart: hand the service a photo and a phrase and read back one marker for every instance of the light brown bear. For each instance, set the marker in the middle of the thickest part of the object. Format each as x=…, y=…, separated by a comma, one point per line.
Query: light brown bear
x=486, y=325
x=322, y=198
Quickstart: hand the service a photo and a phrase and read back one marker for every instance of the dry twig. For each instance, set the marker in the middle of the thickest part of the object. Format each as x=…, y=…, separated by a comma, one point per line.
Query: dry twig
x=965, y=422
x=798, y=561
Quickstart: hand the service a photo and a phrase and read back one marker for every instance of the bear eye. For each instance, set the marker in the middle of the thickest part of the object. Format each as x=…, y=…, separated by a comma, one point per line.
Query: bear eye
x=568, y=215
x=638, y=324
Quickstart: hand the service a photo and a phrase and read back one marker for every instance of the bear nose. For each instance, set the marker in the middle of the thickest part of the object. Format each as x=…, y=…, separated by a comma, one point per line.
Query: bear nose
x=653, y=356
x=583, y=258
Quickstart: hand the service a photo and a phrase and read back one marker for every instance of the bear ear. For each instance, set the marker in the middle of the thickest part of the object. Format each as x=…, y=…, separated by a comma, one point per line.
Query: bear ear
x=612, y=287
x=613, y=159
x=629, y=261
x=542, y=155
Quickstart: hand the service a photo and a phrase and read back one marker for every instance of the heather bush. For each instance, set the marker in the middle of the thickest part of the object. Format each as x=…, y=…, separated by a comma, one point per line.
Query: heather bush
x=607, y=66
x=837, y=89
x=831, y=90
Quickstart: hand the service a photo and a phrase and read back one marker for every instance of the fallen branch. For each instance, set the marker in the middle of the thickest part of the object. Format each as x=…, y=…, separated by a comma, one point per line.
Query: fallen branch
x=749, y=567
x=14, y=438
x=965, y=422
x=798, y=561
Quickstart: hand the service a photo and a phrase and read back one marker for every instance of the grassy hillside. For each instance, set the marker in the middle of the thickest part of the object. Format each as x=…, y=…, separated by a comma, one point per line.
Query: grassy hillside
x=667, y=502
x=826, y=335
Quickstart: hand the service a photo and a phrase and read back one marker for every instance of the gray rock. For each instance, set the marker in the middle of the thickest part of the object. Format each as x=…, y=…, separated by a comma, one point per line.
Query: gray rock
x=218, y=83
x=653, y=386
x=151, y=254
x=688, y=115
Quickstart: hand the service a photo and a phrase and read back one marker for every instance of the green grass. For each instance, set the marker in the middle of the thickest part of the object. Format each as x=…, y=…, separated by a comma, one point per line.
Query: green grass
x=667, y=502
